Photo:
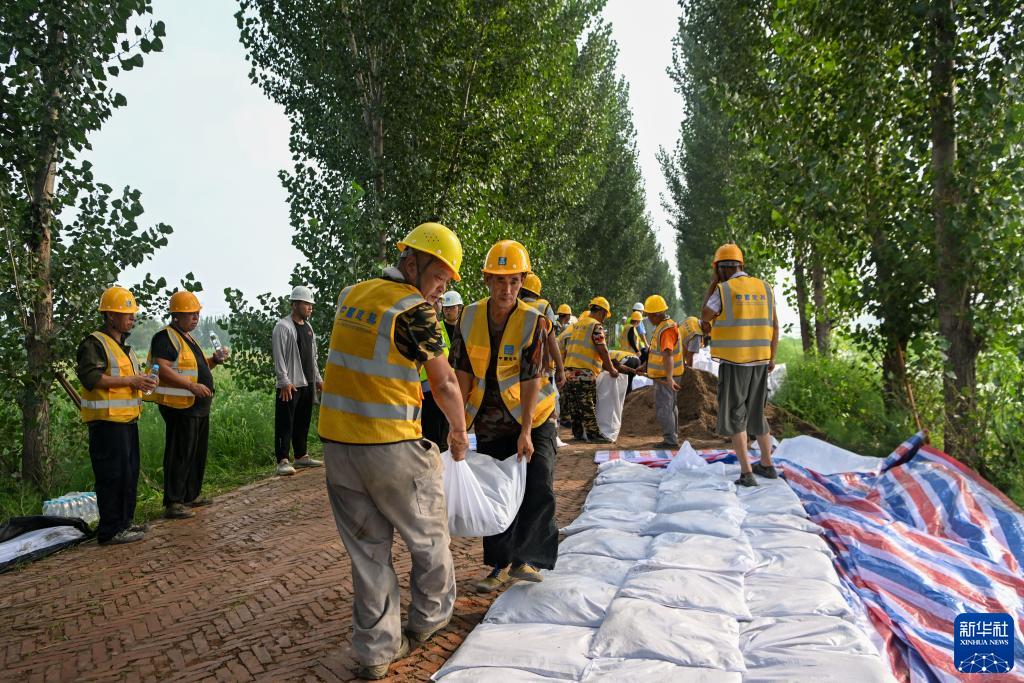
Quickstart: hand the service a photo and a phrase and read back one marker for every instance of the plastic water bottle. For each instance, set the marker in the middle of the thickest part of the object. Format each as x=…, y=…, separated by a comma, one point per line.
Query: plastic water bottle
x=217, y=346
x=154, y=372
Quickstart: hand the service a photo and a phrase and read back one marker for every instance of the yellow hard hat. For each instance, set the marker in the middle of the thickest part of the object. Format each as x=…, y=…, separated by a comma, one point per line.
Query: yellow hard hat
x=728, y=252
x=655, y=303
x=507, y=257
x=532, y=283
x=636, y=316
x=438, y=241
x=601, y=302
x=564, y=309
x=118, y=300
x=184, y=301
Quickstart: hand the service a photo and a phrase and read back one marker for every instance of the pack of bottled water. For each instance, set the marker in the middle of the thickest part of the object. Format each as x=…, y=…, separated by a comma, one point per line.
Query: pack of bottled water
x=80, y=504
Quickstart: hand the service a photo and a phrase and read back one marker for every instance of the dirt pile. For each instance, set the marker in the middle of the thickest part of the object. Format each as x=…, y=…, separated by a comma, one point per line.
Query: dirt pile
x=698, y=413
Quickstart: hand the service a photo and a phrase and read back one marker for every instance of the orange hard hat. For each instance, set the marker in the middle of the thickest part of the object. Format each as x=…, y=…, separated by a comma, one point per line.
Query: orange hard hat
x=507, y=257
x=728, y=252
x=184, y=301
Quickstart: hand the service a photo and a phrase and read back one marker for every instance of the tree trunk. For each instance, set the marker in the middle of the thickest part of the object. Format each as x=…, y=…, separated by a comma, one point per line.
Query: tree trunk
x=822, y=320
x=952, y=286
x=800, y=276
x=894, y=372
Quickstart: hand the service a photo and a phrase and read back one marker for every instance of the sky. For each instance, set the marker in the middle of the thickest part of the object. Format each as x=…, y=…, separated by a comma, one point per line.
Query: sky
x=204, y=145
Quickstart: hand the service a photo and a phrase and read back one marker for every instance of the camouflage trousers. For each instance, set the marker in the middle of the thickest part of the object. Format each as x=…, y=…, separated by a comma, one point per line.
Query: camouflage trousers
x=580, y=406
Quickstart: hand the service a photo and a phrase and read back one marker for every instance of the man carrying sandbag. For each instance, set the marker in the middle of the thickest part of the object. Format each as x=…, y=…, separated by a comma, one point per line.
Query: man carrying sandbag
x=382, y=475
x=510, y=402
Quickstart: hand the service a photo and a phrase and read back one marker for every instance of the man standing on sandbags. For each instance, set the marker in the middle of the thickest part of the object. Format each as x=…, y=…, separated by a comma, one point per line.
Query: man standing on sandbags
x=510, y=403
x=739, y=310
x=382, y=475
x=586, y=354
x=664, y=367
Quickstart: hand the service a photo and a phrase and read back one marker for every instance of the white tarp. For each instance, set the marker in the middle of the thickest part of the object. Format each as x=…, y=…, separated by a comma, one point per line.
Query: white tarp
x=821, y=456
x=483, y=494
x=611, y=393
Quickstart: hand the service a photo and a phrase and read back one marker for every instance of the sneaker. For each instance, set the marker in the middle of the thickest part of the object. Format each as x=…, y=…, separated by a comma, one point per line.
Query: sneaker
x=200, y=502
x=746, y=479
x=526, y=572
x=124, y=536
x=142, y=528
x=285, y=469
x=496, y=579
x=766, y=471
x=177, y=511
x=379, y=671
x=306, y=461
x=420, y=638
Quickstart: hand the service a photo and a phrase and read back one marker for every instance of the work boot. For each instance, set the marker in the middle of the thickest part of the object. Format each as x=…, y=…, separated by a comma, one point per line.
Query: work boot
x=766, y=471
x=665, y=446
x=200, y=502
x=177, y=511
x=285, y=469
x=526, y=572
x=601, y=438
x=379, y=671
x=306, y=461
x=746, y=479
x=496, y=579
x=124, y=536
x=420, y=638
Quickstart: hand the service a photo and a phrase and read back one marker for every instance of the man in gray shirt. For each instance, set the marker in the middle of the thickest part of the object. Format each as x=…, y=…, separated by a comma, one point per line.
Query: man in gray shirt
x=298, y=379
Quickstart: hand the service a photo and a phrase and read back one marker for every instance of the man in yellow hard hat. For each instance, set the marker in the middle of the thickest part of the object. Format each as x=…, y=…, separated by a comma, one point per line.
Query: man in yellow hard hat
x=564, y=316
x=665, y=368
x=382, y=475
x=692, y=338
x=113, y=385
x=586, y=354
x=740, y=311
x=185, y=395
x=633, y=341
x=510, y=402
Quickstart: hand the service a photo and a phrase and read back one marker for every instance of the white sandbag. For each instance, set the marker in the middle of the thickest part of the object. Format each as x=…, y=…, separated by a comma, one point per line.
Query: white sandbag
x=698, y=499
x=495, y=673
x=606, y=542
x=544, y=649
x=565, y=600
x=629, y=521
x=654, y=671
x=720, y=592
x=764, y=639
x=686, y=459
x=781, y=521
x=725, y=523
x=638, y=629
x=779, y=596
x=698, y=551
x=637, y=496
x=783, y=539
x=621, y=471
x=690, y=482
x=797, y=563
x=611, y=393
x=590, y=567
x=829, y=667
x=483, y=494
x=775, y=498
x=821, y=456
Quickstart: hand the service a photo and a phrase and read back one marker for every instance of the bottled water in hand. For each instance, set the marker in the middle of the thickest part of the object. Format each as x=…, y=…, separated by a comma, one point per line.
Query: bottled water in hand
x=219, y=352
x=154, y=372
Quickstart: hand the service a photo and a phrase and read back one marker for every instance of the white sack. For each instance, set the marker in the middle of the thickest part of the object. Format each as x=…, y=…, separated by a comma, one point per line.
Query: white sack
x=686, y=459
x=719, y=592
x=776, y=379
x=725, y=523
x=820, y=666
x=591, y=568
x=609, y=518
x=621, y=471
x=544, y=649
x=774, y=498
x=821, y=456
x=688, y=481
x=764, y=639
x=654, y=671
x=637, y=629
x=780, y=596
x=495, y=673
x=483, y=494
x=636, y=496
x=784, y=539
x=797, y=563
x=697, y=499
x=609, y=543
x=565, y=600
x=781, y=521
x=39, y=539
x=611, y=393
x=698, y=551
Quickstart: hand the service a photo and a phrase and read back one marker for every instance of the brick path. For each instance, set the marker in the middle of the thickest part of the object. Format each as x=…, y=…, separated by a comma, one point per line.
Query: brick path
x=256, y=587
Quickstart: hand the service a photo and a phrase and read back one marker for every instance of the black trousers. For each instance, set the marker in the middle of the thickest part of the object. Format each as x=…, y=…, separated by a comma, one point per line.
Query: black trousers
x=435, y=424
x=533, y=535
x=291, y=422
x=185, y=446
x=114, y=452
x=633, y=363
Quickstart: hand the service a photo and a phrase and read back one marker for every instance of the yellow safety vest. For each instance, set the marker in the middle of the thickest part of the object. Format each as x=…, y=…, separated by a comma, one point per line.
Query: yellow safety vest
x=655, y=361
x=544, y=306
x=742, y=333
x=620, y=355
x=116, y=404
x=624, y=339
x=372, y=393
x=690, y=327
x=185, y=365
x=519, y=332
x=580, y=351
x=447, y=347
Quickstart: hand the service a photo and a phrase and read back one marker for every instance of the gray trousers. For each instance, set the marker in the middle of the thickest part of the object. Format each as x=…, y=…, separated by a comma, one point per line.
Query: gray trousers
x=375, y=490
x=667, y=412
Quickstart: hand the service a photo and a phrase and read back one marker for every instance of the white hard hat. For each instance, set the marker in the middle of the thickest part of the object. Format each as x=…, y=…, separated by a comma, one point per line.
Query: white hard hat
x=638, y=307
x=301, y=293
x=452, y=298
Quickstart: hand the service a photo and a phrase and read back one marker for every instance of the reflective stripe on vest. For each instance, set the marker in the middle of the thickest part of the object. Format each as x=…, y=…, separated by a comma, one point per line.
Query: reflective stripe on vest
x=115, y=404
x=742, y=333
x=371, y=393
x=656, y=360
x=519, y=332
x=544, y=306
x=185, y=365
x=580, y=350
x=690, y=327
